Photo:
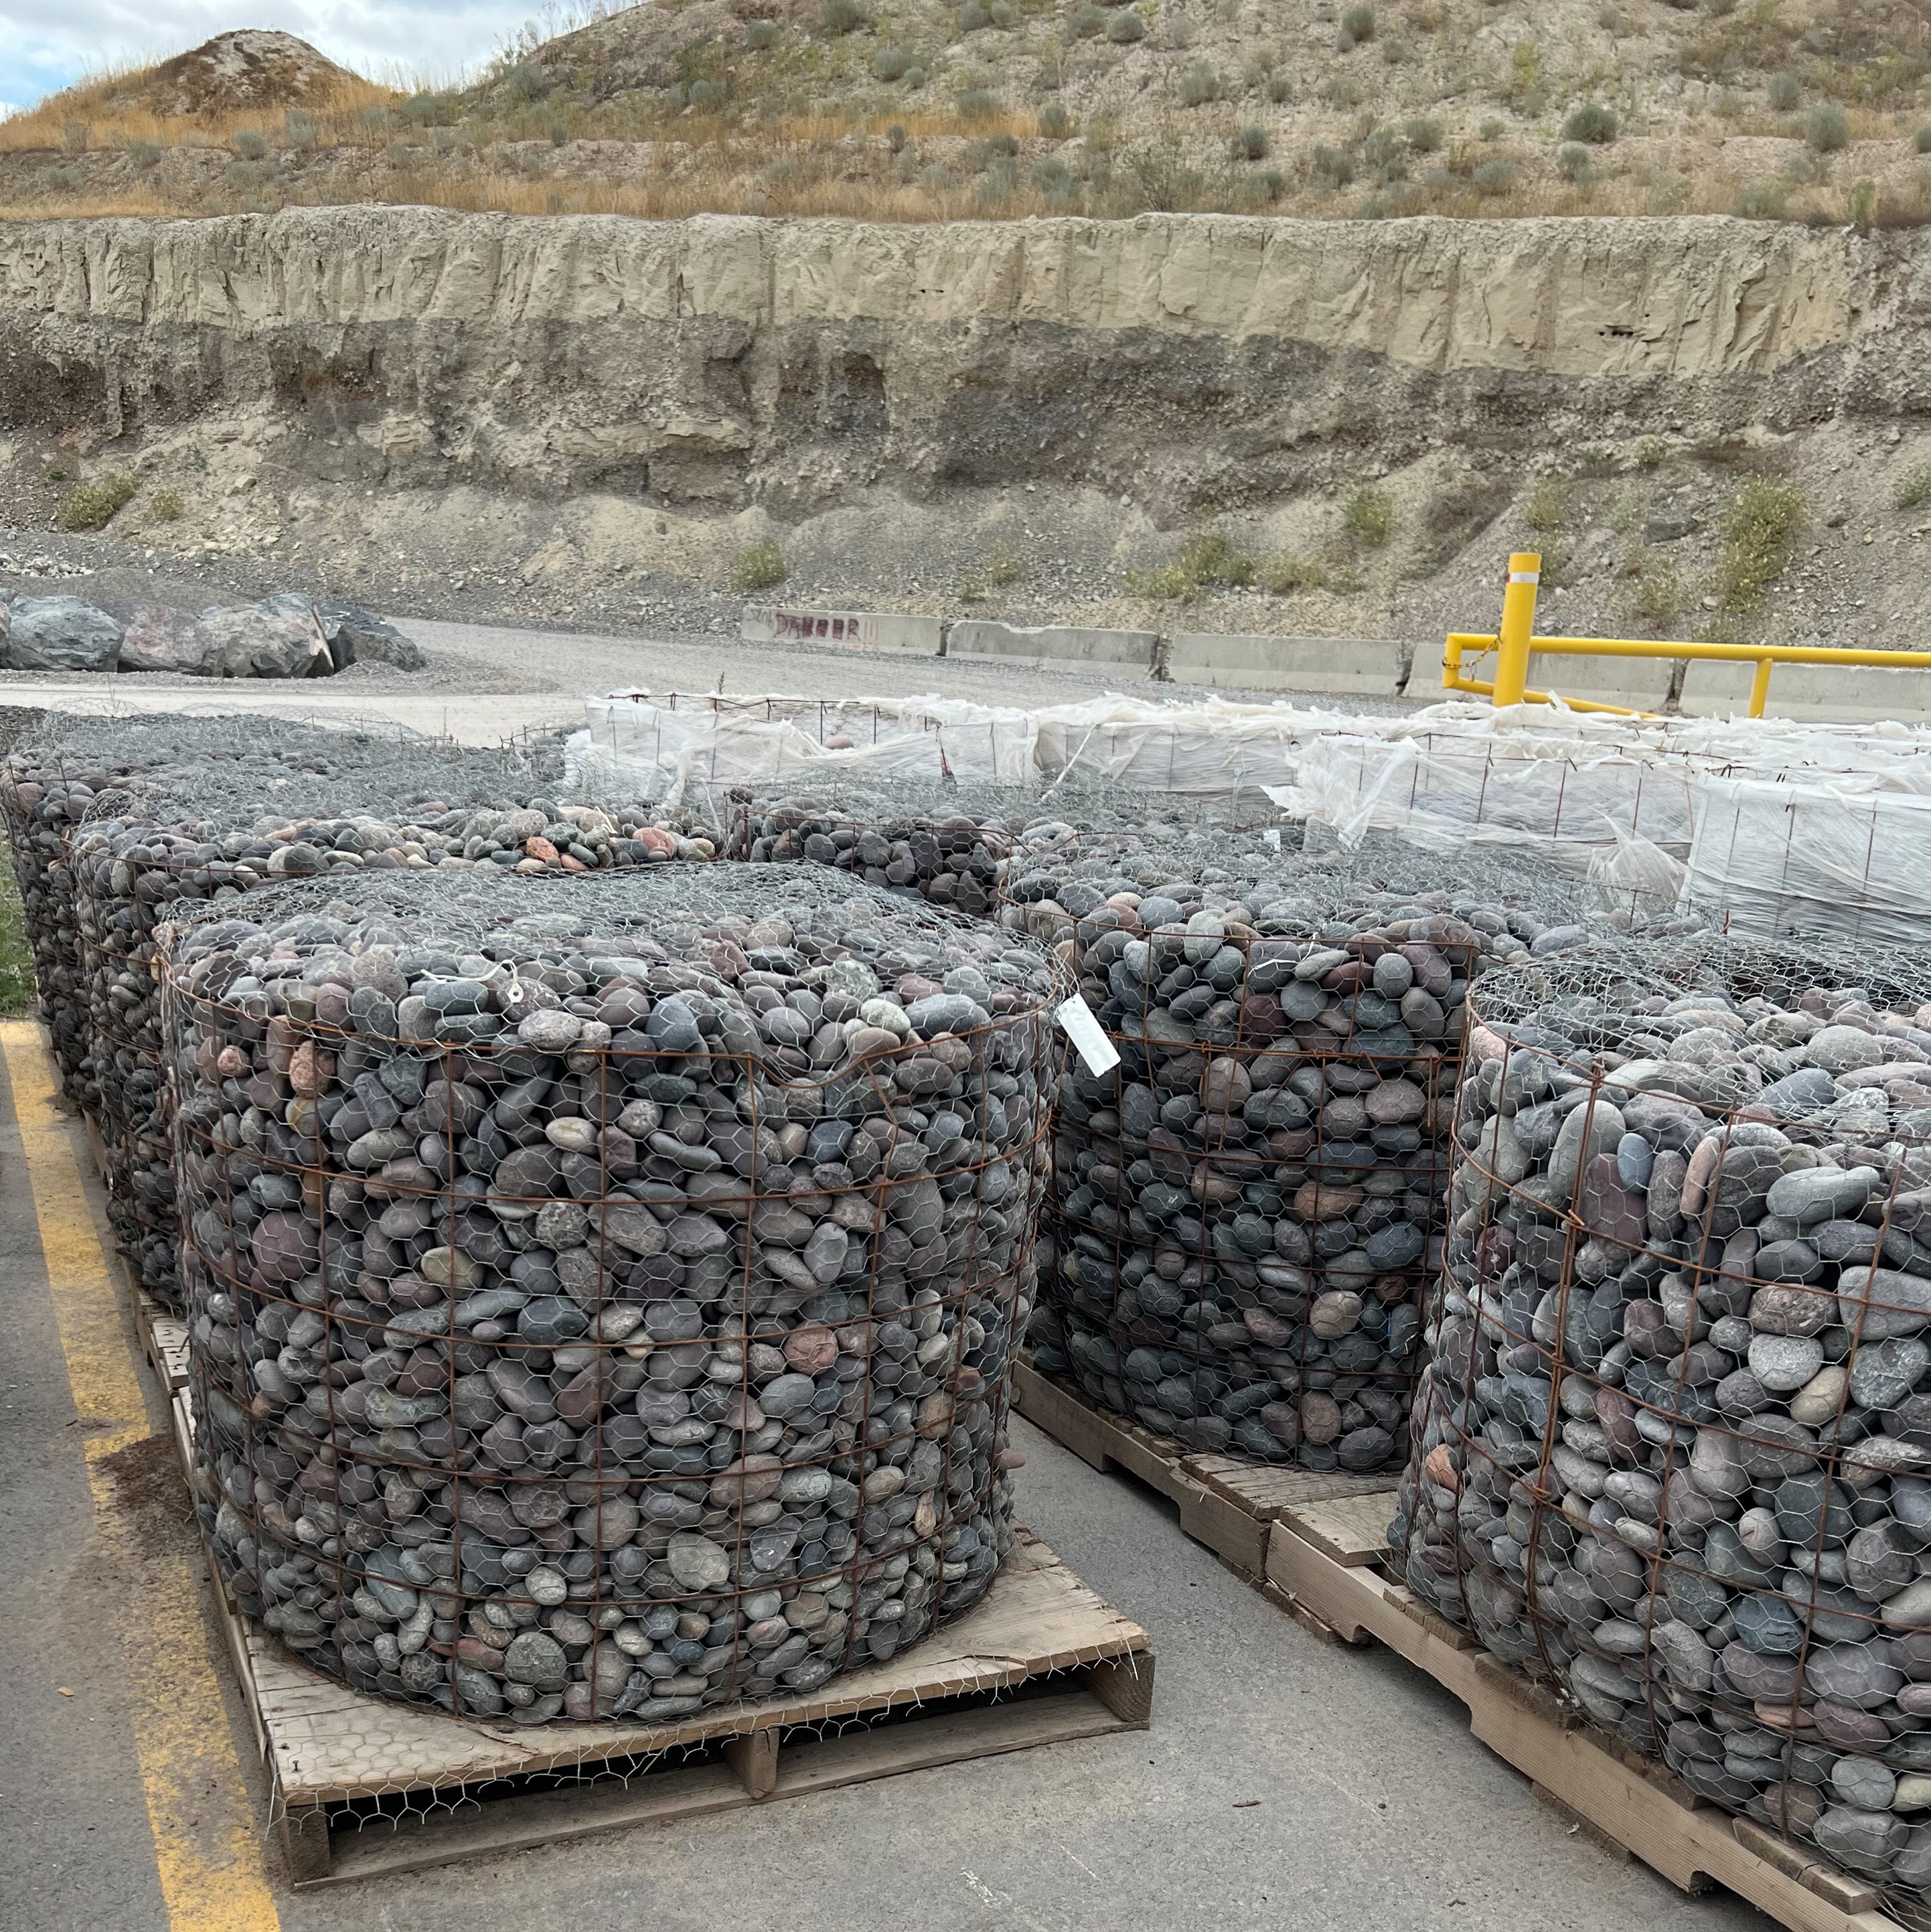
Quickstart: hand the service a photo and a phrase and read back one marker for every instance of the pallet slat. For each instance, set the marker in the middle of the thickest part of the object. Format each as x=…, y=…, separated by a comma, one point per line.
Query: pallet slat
x=1224, y=1502
x=324, y=1744
x=1636, y=1804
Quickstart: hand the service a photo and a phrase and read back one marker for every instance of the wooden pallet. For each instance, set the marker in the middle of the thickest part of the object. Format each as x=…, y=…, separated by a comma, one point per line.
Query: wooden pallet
x=1088, y=1672
x=1326, y=1557
x=1225, y=1503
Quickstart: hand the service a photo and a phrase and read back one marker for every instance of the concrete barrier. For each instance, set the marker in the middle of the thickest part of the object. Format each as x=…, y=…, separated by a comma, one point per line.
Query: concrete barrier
x=1808, y=691
x=1639, y=684
x=1057, y=645
x=1368, y=667
x=896, y=633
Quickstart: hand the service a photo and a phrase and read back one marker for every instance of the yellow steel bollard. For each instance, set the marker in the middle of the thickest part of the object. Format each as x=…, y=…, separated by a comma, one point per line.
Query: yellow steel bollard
x=1760, y=688
x=1511, y=642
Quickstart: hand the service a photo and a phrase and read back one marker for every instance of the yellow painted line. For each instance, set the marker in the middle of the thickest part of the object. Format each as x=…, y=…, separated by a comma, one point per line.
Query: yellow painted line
x=206, y=1851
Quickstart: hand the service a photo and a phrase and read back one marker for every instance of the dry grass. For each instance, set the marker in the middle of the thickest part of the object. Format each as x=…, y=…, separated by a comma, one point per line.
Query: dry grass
x=339, y=120
x=805, y=180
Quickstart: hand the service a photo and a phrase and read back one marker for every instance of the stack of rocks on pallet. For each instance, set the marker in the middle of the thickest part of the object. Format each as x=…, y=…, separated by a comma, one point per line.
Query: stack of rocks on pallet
x=603, y=1296
x=942, y=843
x=109, y=823
x=1673, y=1448
x=1247, y=1210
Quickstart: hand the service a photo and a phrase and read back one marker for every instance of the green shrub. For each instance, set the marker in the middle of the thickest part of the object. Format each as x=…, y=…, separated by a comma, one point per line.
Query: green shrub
x=977, y=104
x=1826, y=129
x=73, y=137
x=1357, y=25
x=1915, y=492
x=1423, y=134
x=761, y=36
x=1054, y=180
x=1493, y=131
x=1369, y=517
x=1199, y=85
x=1761, y=201
x=1650, y=452
x=1757, y=531
x=1862, y=207
x=164, y=507
x=1125, y=28
x=91, y=506
x=1783, y=92
x=1547, y=508
x=16, y=959
x=843, y=16
x=249, y=144
x=757, y=566
x=1660, y=595
x=1002, y=12
x=525, y=80
x=1329, y=167
x=1591, y=122
x=973, y=18
x=1383, y=153
x=1281, y=576
x=1921, y=141
x=1280, y=89
x=1055, y=123
x=1495, y=178
x=1576, y=164
x=1206, y=559
x=1086, y=23
x=889, y=64
x=143, y=153
x=1004, y=566
x=1248, y=144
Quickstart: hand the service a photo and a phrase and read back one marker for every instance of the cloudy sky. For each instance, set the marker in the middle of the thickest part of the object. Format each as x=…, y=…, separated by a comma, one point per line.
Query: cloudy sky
x=45, y=44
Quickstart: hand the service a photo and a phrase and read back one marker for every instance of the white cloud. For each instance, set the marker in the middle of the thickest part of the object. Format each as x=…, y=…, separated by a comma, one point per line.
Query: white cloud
x=438, y=41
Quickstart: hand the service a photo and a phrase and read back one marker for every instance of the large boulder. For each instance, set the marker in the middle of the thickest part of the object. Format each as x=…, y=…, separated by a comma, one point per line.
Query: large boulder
x=159, y=638
x=353, y=635
x=279, y=637
x=58, y=634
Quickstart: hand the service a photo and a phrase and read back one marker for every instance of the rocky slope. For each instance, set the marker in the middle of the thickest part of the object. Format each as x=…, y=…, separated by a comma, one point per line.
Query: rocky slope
x=892, y=109
x=1031, y=416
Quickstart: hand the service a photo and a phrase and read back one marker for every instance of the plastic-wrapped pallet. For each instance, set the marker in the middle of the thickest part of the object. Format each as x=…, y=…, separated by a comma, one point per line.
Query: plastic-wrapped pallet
x=1673, y=1447
x=1247, y=1208
x=602, y=1296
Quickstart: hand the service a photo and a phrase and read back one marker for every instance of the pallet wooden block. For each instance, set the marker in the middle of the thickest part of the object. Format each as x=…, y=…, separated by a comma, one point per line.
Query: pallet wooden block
x=1323, y=1556
x=325, y=1744
x=1225, y=1503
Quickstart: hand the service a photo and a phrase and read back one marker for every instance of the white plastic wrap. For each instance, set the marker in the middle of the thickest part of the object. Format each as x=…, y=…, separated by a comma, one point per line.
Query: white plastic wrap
x=1773, y=860
x=649, y=746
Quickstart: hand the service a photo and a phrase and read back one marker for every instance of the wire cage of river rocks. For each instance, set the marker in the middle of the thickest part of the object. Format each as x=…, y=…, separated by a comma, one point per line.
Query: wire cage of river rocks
x=1247, y=1209
x=602, y=1296
x=1672, y=1449
x=126, y=820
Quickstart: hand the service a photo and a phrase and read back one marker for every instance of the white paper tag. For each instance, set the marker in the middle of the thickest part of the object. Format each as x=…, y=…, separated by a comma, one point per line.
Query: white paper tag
x=1084, y=1030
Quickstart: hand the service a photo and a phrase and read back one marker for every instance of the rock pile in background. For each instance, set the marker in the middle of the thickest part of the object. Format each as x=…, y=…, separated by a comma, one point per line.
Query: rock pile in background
x=284, y=636
x=602, y=1296
x=1673, y=1447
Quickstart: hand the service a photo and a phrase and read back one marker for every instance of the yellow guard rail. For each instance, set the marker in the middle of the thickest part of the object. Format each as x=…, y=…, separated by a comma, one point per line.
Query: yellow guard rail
x=1515, y=643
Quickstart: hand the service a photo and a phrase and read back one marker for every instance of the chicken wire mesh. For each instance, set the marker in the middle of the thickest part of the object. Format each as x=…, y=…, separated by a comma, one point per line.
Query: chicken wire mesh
x=1245, y=1210
x=1671, y=1448
x=602, y=1296
x=208, y=809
